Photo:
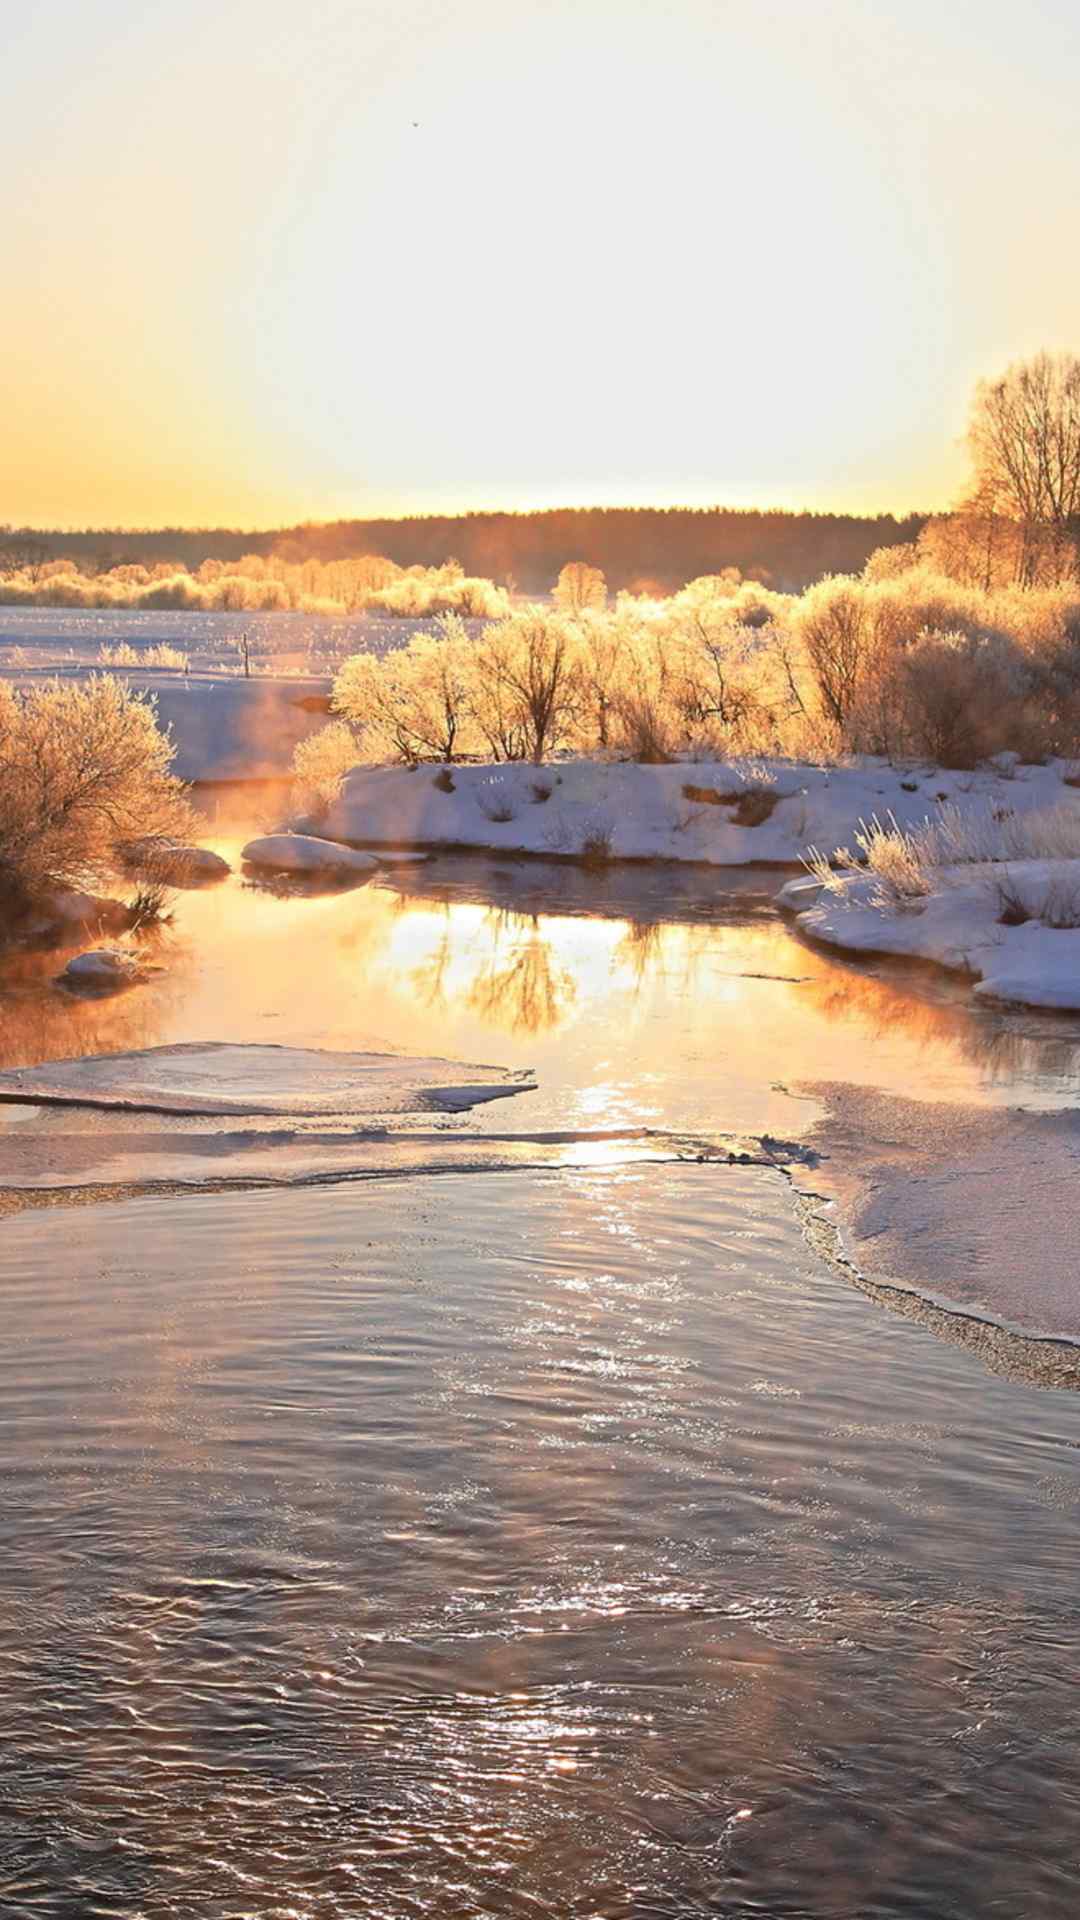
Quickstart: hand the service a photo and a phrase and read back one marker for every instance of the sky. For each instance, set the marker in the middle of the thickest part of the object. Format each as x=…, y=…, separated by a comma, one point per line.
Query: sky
x=268, y=262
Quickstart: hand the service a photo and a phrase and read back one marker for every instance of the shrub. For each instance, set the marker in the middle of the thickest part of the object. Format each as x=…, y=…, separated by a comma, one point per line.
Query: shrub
x=320, y=763
x=149, y=906
x=83, y=770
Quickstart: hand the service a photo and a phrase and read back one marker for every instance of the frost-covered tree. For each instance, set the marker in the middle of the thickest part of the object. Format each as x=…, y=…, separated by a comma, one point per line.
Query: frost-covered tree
x=579, y=586
x=84, y=769
x=417, y=700
x=528, y=684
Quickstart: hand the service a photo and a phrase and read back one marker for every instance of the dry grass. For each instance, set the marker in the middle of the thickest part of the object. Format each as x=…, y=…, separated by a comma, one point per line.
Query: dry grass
x=162, y=655
x=596, y=847
x=910, y=863
x=150, y=906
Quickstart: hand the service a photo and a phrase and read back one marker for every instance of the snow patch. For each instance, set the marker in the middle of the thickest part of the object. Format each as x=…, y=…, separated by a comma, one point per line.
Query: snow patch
x=303, y=853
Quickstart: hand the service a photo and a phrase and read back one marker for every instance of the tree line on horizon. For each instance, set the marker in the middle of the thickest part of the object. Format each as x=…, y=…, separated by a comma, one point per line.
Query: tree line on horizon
x=1017, y=523
x=638, y=549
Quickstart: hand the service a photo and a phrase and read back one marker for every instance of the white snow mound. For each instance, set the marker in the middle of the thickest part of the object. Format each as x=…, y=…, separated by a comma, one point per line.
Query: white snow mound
x=303, y=853
x=716, y=813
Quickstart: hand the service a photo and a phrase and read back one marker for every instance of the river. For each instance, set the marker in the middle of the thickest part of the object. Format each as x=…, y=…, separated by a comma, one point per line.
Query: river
x=554, y=1539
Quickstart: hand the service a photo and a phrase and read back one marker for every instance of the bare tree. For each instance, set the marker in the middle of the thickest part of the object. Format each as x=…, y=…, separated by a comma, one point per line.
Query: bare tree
x=1025, y=442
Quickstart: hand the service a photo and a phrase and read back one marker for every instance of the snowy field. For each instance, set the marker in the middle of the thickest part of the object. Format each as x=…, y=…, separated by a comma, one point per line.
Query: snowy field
x=49, y=638
x=225, y=726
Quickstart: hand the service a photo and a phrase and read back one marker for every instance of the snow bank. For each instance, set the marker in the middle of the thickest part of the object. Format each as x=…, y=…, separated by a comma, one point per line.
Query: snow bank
x=302, y=853
x=715, y=813
x=971, y=923
x=219, y=1078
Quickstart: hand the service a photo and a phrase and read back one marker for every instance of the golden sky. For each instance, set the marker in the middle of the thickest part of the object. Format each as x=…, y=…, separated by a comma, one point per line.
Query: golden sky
x=267, y=262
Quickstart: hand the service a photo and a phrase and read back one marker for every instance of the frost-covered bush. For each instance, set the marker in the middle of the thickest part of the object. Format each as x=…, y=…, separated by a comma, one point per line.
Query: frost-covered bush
x=84, y=769
x=162, y=655
x=320, y=763
x=259, y=583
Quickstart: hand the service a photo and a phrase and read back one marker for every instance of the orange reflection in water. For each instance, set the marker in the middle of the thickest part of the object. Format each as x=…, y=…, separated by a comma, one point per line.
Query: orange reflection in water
x=630, y=1018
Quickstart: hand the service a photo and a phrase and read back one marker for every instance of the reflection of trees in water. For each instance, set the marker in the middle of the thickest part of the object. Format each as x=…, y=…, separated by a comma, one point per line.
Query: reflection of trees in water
x=640, y=949
x=517, y=983
x=993, y=1040
x=429, y=979
x=650, y=947
x=528, y=992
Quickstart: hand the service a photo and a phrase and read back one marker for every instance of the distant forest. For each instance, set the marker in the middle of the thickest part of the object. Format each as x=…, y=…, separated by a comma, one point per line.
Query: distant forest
x=639, y=548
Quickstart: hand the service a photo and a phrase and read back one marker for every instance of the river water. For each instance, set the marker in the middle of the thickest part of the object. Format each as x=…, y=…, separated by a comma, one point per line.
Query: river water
x=561, y=1540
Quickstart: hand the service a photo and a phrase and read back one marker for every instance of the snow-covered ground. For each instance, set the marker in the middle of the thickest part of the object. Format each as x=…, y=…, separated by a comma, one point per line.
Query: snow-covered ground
x=973, y=922
x=716, y=813
x=52, y=638
x=971, y=1207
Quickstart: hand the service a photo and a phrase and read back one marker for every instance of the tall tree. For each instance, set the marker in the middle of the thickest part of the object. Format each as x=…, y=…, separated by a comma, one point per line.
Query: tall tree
x=1025, y=442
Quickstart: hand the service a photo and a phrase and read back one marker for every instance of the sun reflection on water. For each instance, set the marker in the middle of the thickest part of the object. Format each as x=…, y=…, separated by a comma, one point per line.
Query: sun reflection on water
x=657, y=1012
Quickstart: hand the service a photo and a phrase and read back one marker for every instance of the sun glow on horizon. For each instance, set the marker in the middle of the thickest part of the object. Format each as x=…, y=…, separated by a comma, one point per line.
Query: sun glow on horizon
x=396, y=260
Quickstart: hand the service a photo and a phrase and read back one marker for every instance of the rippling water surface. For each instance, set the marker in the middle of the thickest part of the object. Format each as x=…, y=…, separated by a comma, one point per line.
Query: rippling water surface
x=571, y=1543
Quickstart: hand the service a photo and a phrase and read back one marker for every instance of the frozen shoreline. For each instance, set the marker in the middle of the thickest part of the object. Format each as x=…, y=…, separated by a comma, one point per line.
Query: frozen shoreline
x=1004, y=924
x=976, y=1211
x=707, y=813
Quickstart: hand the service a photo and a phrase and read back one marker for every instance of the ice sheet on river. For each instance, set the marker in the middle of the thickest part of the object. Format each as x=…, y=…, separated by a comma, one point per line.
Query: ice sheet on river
x=222, y=1079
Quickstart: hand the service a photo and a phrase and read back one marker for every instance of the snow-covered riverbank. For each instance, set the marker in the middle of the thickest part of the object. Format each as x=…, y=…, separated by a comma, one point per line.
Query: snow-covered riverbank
x=711, y=813
x=1013, y=926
